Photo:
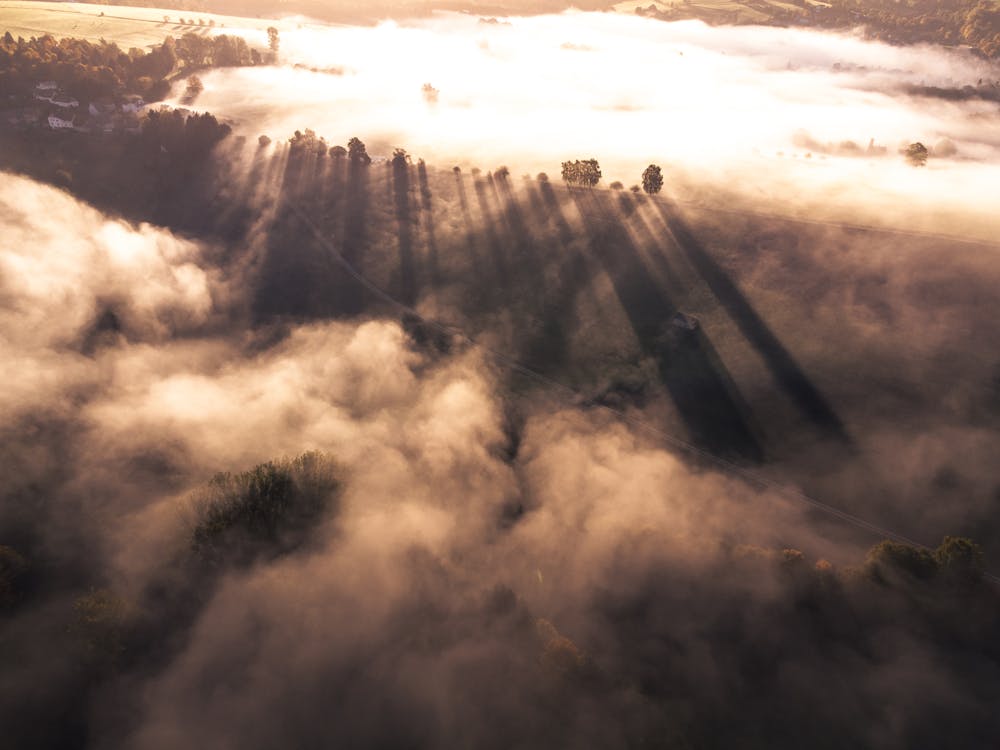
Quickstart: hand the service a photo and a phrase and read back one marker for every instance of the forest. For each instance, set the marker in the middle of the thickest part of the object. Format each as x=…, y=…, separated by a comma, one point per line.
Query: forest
x=92, y=71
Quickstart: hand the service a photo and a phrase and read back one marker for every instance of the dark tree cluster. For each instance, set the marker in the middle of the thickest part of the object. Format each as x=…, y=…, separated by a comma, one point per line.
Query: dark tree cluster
x=86, y=70
x=586, y=173
x=101, y=70
x=266, y=510
x=222, y=51
x=307, y=142
x=181, y=135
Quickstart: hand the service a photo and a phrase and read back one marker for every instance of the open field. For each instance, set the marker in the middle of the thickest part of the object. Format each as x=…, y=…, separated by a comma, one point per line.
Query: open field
x=123, y=25
x=136, y=26
x=714, y=10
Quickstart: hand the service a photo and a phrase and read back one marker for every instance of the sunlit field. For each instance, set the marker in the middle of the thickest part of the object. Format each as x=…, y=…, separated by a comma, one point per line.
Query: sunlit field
x=125, y=26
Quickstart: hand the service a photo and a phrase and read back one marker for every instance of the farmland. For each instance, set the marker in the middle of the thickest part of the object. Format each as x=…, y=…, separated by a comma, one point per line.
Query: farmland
x=125, y=26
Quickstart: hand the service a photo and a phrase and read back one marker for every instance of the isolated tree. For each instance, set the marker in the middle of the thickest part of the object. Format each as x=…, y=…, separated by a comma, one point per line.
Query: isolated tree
x=194, y=87
x=430, y=93
x=652, y=179
x=264, y=141
x=916, y=154
x=273, y=42
x=166, y=19
x=357, y=152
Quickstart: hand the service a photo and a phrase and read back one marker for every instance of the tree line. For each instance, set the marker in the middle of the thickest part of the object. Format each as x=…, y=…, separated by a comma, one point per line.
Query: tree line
x=95, y=70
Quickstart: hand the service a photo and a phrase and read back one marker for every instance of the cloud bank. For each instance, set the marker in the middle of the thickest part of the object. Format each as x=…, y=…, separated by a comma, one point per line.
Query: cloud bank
x=743, y=105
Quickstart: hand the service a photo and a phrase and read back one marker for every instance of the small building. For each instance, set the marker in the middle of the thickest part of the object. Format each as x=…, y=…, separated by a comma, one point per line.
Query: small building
x=47, y=86
x=65, y=101
x=58, y=123
x=133, y=103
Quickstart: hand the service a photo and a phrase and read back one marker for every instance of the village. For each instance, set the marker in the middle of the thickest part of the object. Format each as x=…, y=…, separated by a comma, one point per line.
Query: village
x=50, y=107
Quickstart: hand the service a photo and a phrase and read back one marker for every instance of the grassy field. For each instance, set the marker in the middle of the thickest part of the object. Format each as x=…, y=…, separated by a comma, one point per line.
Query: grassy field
x=715, y=10
x=125, y=26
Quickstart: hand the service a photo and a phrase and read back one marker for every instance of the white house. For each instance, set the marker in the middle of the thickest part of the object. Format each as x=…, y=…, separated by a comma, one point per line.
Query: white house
x=65, y=101
x=58, y=123
x=133, y=104
x=46, y=86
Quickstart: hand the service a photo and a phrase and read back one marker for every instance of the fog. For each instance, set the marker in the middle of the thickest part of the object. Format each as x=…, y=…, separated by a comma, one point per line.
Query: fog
x=133, y=376
x=556, y=521
x=750, y=104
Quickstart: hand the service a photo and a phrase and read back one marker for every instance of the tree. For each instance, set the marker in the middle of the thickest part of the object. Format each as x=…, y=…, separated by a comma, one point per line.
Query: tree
x=273, y=42
x=264, y=141
x=357, y=152
x=959, y=557
x=652, y=179
x=269, y=509
x=194, y=87
x=916, y=154
x=307, y=143
x=586, y=173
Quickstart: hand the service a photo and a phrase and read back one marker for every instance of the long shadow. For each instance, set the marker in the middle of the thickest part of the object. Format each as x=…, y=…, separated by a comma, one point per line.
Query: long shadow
x=779, y=360
x=349, y=293
x=289, y=270
x=426, y=207
x=575, y=268
x=631, y=207
x=489, y=227
x=700, y=387
x=552, y=280
x=537, y=302
x=524, y=257
x=555, y=212
x=404, y=229
x=299, y=277
x=478, y=274
x=238, y=198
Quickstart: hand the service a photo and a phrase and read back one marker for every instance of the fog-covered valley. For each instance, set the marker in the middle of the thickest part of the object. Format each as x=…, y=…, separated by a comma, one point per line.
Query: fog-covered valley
x=415, y=445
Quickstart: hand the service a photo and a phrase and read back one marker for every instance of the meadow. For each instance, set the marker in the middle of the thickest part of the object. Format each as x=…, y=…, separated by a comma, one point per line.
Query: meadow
x=125, y=26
